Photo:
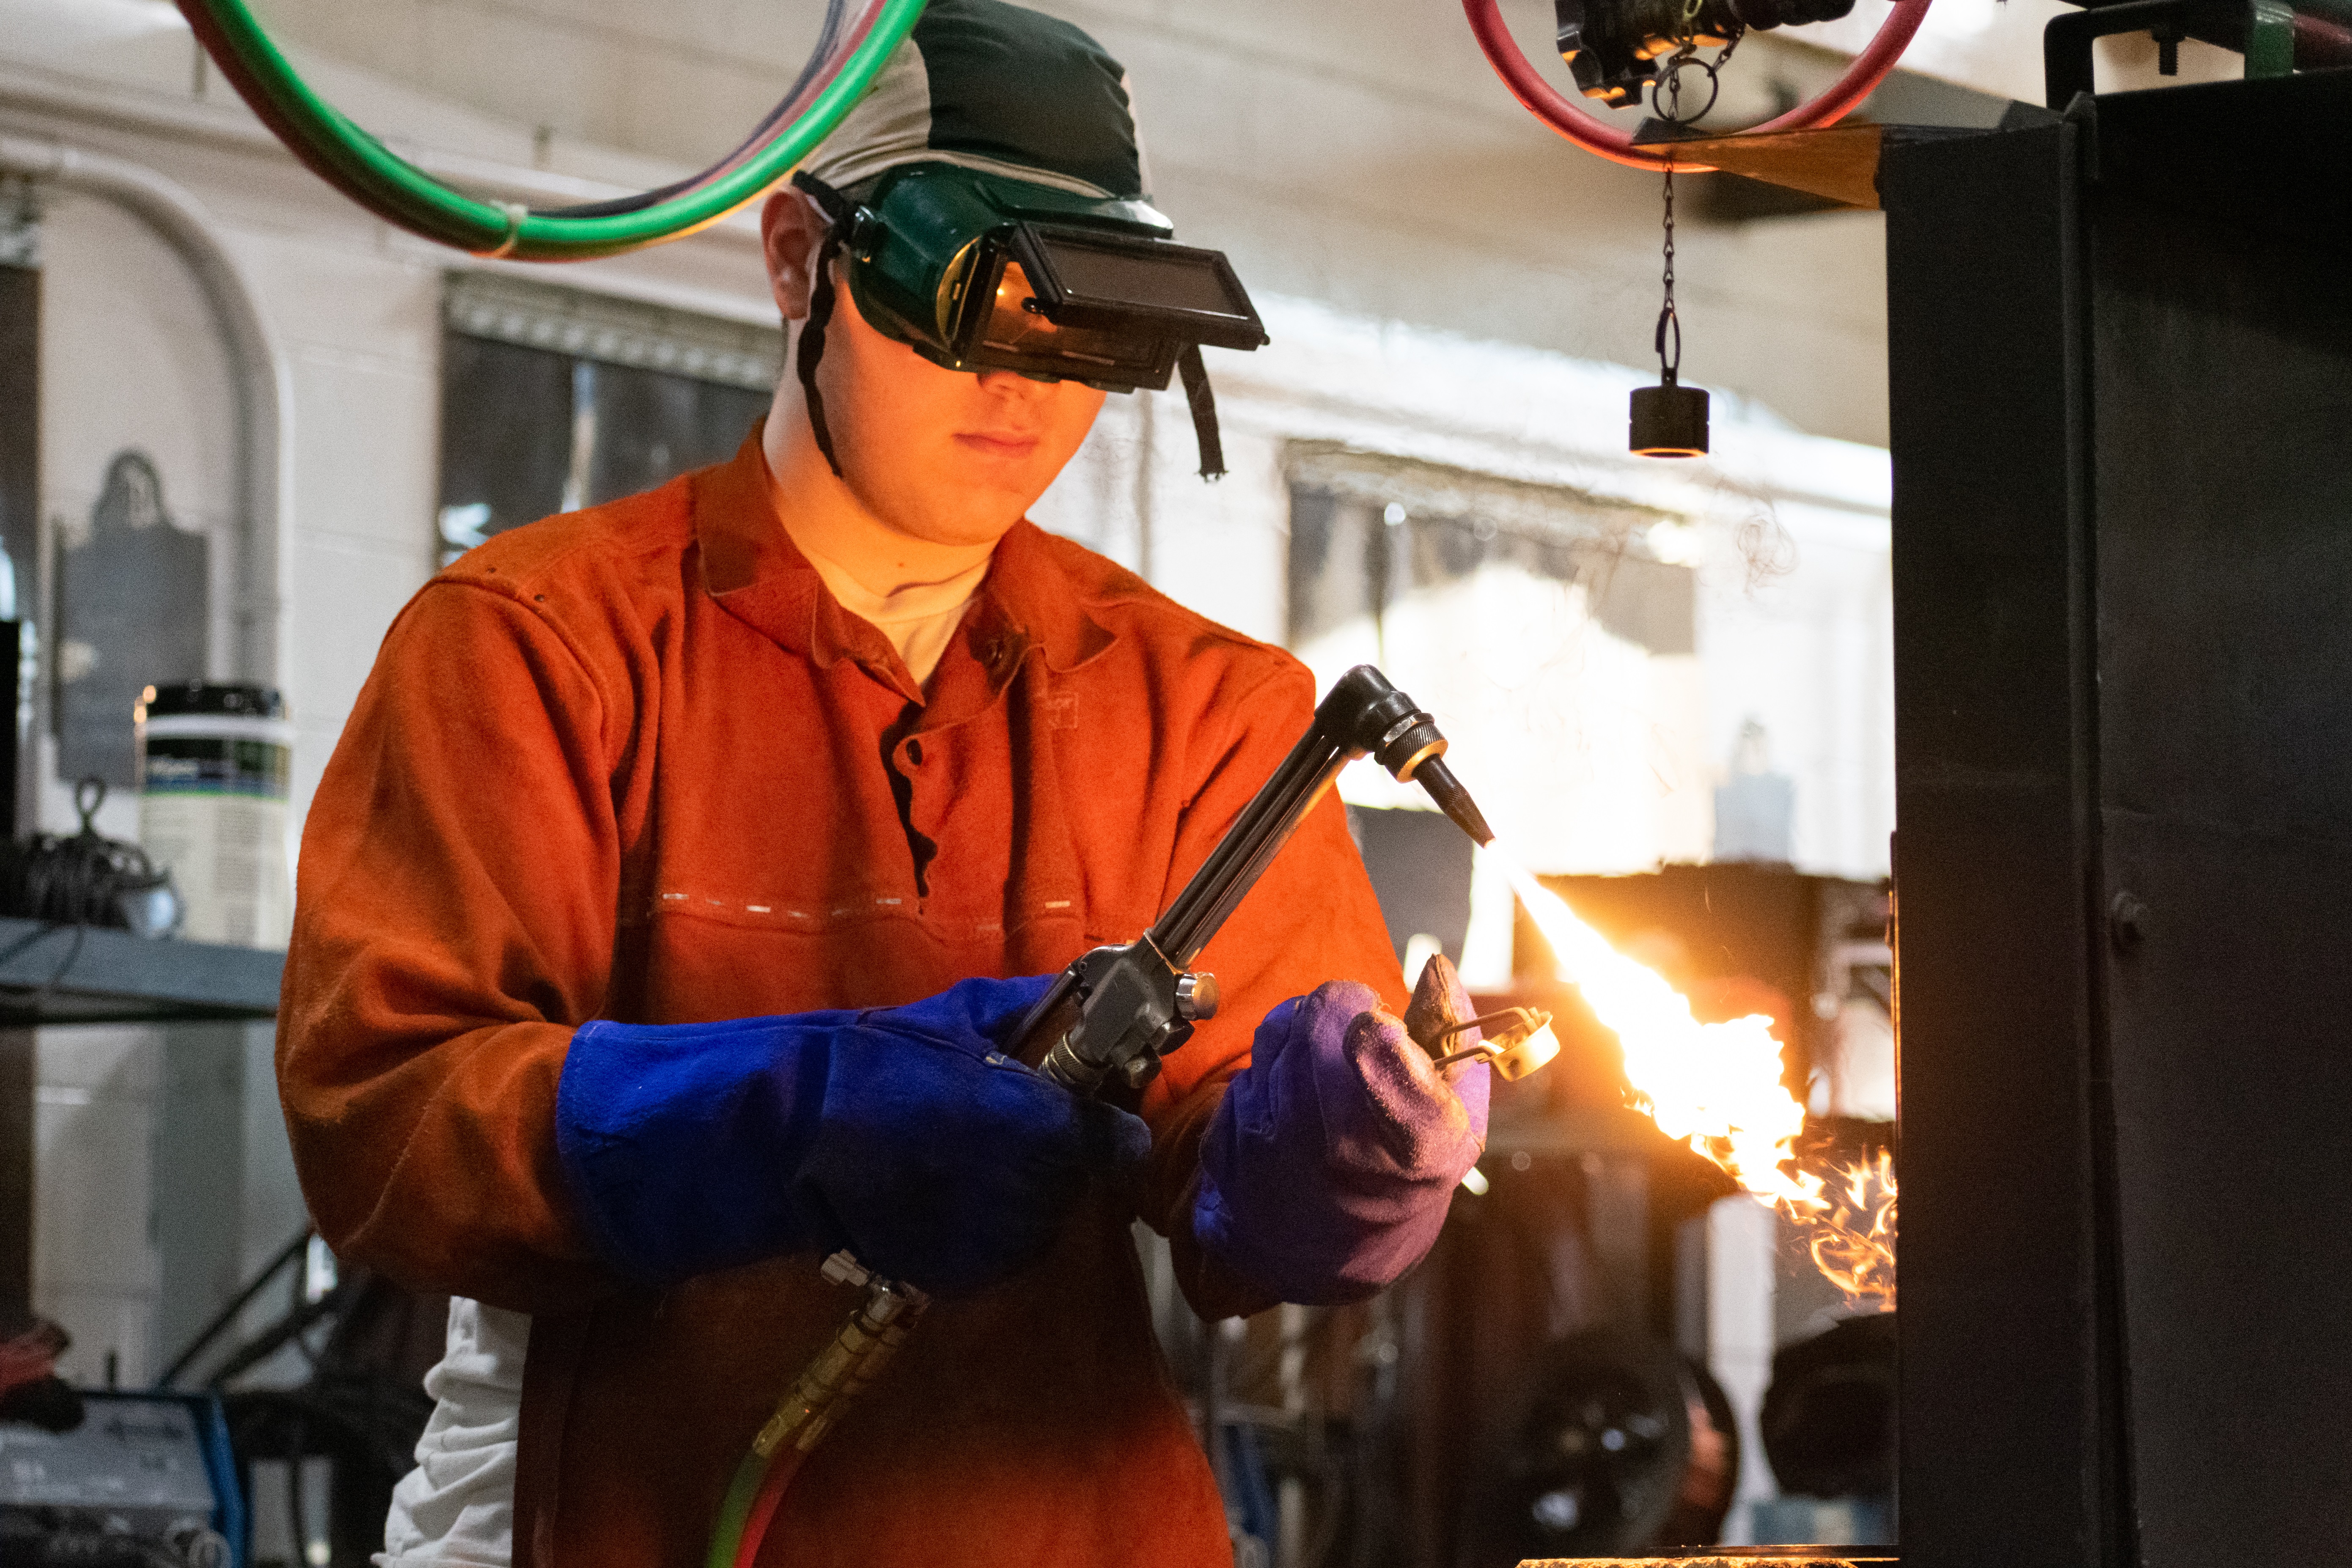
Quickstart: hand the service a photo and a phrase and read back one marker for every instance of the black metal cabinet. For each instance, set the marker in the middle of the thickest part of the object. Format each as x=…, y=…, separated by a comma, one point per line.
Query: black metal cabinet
x=2121, y=363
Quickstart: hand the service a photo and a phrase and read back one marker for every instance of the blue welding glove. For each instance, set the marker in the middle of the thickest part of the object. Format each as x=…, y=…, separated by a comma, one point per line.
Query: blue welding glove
x=1327, y=1168
x=901, y=1133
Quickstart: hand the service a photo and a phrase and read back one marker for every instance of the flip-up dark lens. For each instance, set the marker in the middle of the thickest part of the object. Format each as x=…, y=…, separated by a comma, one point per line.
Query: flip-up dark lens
x=1141, y=285
x=1011, y=331
x=1017, y=324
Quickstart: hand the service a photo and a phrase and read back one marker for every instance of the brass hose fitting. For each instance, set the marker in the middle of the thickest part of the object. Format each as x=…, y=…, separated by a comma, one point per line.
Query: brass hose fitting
x=867, y=1344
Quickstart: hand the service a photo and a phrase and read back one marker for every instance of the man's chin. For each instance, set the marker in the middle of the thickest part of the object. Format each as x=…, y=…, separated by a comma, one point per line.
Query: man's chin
x=962, y=520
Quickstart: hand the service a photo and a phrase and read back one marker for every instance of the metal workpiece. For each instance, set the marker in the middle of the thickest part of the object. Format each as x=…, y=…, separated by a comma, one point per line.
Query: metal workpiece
x=1522, y=1042
x=1515, y=1041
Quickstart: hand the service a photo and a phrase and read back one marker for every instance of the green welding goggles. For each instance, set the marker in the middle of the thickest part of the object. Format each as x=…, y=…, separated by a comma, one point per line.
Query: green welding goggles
x=976, y=271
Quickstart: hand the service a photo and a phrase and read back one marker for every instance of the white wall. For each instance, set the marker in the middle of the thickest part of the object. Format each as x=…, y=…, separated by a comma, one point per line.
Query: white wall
x=95, y=1267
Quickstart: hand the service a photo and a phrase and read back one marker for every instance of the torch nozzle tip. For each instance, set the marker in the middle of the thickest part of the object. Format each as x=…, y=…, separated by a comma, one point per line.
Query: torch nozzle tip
x=1446, y=789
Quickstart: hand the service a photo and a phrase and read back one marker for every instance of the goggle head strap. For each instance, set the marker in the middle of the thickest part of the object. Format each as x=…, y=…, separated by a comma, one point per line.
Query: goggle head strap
x=854, y=222
x=847, y=224
x=812, y=347
x=1204, y=404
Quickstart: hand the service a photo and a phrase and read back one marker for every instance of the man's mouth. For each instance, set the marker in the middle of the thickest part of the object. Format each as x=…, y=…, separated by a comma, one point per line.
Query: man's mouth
x=998, y=443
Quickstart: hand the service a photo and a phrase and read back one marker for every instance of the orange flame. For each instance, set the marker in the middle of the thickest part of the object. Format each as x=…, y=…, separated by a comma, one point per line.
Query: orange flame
x=1717, y=1088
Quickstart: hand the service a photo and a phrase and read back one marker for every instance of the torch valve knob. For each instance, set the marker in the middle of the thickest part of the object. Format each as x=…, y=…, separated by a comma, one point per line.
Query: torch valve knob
x=1196, y=997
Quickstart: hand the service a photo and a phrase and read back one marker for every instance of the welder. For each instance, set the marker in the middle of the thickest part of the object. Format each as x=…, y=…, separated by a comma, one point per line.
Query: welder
x=669, y=903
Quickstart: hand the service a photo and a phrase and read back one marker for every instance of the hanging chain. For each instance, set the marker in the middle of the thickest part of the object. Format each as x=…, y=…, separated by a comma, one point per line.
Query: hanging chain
x=1666, y=100
x=1668, y=86
x=1669, y=364
x=1672, y=81
x=1669, y=78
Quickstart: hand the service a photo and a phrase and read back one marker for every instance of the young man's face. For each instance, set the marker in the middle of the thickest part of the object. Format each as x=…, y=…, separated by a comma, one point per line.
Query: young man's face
x=943, y=455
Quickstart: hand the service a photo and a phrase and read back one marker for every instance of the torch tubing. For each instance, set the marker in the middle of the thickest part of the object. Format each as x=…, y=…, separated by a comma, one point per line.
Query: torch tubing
x=867, y=1344
x=1248, y=847
x=1362, y=714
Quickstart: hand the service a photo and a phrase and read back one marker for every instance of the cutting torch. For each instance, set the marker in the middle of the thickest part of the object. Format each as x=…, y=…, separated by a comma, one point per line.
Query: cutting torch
x=1112, y=1015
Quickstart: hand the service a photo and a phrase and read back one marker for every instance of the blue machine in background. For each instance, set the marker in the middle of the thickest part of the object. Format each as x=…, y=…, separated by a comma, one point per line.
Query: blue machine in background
x=147, y=1481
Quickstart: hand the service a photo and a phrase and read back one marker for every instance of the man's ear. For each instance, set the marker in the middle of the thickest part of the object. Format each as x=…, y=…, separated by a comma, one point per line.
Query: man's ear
x=790, y=231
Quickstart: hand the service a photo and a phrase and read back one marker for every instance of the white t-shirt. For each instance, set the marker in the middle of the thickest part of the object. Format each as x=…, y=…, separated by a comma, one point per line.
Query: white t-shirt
x=919, y=619
x=456, y=1509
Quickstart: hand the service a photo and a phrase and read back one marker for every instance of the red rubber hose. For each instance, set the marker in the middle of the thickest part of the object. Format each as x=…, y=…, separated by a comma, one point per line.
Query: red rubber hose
x=1547, y=104
x=781, y=1472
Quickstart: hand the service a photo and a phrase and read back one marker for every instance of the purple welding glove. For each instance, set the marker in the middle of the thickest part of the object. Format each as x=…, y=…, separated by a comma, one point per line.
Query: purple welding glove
x=1327, y=1171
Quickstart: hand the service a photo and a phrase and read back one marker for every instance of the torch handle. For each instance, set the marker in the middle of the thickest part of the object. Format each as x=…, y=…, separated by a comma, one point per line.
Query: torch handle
x=1054, y=1016
x=1249, y=846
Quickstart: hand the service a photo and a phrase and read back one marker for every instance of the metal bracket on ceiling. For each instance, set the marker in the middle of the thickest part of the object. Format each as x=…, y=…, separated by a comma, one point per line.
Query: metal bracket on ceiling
x=2265, y=31
x=1836, y=163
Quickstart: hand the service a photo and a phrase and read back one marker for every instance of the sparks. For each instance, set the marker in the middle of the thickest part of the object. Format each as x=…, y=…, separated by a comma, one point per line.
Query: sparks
x=1717, y=1088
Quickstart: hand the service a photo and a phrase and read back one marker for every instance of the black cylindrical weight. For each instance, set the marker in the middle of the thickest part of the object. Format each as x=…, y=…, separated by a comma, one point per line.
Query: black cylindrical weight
x=1668, y=421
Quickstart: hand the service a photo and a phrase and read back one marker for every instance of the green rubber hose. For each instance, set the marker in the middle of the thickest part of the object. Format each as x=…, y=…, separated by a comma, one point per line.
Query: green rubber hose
x=735, y=1512
x=401, y=194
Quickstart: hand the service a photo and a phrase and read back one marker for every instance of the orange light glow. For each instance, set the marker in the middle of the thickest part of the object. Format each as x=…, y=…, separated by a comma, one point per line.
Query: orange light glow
x=1717, y=1088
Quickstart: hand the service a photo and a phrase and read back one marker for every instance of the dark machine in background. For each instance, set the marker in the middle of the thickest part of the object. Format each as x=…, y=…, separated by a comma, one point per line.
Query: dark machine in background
x=316, y=1459
x=1582, y=1275
x=1829, y=1416
x=2122, y=386
x=1537, y=1388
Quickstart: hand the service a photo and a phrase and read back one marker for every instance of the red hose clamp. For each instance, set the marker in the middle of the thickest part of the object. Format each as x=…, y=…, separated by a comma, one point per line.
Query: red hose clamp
x=1549, y=105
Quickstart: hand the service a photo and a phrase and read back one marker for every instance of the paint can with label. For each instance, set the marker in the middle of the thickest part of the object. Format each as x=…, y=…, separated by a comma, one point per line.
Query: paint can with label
x=216, y=762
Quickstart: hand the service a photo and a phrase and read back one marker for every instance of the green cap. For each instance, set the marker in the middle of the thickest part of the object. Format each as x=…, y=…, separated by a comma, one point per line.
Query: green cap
x=997, y=88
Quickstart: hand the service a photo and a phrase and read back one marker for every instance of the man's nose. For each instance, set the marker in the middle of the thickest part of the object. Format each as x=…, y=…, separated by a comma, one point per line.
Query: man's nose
x=1012, y=384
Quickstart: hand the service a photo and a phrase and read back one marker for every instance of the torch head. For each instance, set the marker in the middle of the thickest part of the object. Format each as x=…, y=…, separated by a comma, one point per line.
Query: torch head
x=1371, y=715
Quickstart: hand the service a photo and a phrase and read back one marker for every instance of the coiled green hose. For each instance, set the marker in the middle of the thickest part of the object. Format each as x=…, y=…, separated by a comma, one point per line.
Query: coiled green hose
x=401, y=194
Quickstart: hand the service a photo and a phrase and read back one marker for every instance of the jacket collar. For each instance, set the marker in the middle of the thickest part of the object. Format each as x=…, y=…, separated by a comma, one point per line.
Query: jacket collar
x=754, y=572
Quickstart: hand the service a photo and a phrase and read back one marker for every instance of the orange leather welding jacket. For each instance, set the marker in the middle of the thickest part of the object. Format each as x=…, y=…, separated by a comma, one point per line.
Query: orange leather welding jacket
x=636, y=763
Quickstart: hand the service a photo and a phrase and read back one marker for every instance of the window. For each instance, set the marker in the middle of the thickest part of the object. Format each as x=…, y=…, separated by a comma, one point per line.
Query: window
x=1370, y=535
x=1552, y=633
x=553, y=400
